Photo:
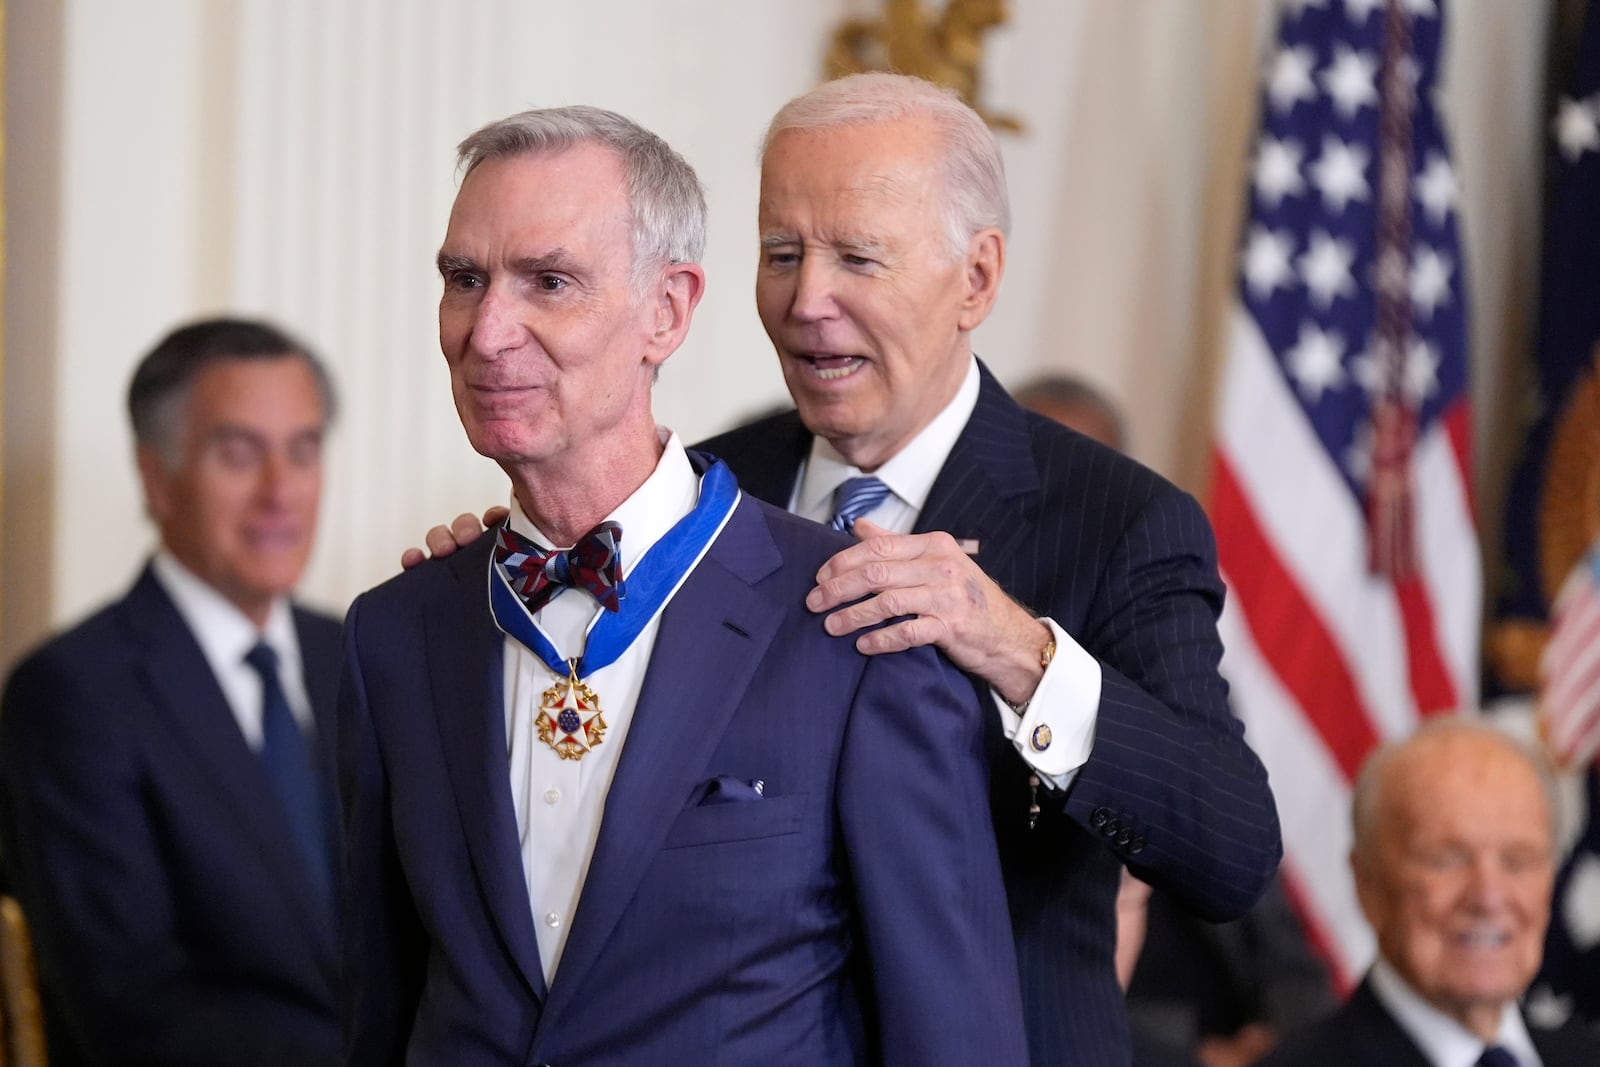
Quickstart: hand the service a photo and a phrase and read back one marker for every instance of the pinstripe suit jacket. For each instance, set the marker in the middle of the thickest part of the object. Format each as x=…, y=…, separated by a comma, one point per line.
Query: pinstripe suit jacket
x=1125, y=562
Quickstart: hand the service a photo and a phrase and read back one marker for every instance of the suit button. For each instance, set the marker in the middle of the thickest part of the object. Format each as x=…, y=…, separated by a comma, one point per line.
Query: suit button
x=1124, y=836
x=1110, y=829
x=1137, y=845
x=1099, y=818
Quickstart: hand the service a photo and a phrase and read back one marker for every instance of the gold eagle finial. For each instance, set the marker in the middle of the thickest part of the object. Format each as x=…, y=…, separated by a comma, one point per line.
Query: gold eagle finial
x=947, y=49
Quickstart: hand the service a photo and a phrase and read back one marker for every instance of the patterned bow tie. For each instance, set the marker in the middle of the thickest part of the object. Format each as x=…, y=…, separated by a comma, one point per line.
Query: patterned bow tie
x=537, y=574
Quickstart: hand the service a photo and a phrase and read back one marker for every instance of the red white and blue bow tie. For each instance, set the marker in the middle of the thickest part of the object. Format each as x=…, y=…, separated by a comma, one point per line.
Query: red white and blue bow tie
x=537, y=574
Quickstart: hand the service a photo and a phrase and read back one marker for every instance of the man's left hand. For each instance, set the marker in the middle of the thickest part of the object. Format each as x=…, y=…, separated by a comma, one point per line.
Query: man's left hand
x=952, y=604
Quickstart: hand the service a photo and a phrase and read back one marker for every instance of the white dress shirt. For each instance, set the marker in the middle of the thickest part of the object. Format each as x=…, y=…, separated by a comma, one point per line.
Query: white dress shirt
x=1067, y=700
x=1442, y=1039
x=226, y=636
x=559, y=803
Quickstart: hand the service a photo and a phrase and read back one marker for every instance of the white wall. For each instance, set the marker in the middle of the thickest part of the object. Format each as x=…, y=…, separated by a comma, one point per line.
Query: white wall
x=293, y=158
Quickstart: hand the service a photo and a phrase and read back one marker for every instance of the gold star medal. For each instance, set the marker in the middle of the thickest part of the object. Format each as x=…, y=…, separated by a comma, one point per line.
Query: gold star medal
x=569, y=719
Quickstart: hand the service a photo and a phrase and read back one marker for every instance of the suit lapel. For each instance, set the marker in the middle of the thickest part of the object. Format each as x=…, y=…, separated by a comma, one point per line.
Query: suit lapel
x=988, y=489
x=319, y=657
x=320, y=660
x=713, y=635
x=465, y=670
x=183, y=689
x=1373, y=1034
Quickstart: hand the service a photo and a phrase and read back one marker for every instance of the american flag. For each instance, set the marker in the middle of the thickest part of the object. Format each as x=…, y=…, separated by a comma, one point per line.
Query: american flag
x=1569, y=696
x=1340, y=480
x=1569, y=708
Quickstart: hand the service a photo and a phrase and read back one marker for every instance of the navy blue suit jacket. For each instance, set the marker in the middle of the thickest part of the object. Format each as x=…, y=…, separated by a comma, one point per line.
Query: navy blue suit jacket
x=1125, y=562
x=1362, y=1033
x=173, y=919
x=850, y=913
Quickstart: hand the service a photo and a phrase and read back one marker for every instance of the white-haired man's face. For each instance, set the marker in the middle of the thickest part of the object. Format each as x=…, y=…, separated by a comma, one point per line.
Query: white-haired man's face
x=1457, y=878
x=857, y=285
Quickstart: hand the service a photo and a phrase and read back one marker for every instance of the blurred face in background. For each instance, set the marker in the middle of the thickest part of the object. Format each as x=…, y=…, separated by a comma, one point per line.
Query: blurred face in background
x=235, y=492
x=1457, y=876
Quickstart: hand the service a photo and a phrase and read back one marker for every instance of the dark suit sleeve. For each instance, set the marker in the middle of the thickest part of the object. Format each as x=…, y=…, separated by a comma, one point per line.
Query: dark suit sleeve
x=86, y=856
x=382, y=946
x=913, y=796
x=1170, y=784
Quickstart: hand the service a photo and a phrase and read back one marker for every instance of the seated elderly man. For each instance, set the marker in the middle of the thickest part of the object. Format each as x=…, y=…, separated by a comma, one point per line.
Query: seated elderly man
x=1453, y=861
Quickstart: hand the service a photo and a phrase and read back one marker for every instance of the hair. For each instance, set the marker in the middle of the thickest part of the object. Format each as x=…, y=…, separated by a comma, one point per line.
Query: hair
x=665, y=197
x=974, y=176
x=1067, y=391
x=1367, y=798
x=161, y=383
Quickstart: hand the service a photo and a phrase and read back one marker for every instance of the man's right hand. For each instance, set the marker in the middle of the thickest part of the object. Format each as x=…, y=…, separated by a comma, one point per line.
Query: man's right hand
x=443, y=540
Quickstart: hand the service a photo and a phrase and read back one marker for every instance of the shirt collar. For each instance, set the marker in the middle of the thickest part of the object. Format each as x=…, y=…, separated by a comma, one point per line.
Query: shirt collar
x=1442, y=1039
x=910, y=472
x=225, y=634
x=650, y=510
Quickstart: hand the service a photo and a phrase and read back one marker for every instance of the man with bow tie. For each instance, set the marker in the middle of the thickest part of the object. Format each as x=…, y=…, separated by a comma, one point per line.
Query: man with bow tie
x=1079, y=589
x=612, y=793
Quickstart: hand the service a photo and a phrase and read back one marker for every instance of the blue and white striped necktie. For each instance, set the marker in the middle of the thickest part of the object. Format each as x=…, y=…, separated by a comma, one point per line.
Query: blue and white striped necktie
x=854, y=498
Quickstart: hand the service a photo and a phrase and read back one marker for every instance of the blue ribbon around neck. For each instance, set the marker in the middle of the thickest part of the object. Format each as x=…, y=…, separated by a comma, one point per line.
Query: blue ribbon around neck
x=653, y=580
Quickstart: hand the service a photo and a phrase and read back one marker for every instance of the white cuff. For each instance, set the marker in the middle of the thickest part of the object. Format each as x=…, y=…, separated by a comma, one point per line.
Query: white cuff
x=1054, y=730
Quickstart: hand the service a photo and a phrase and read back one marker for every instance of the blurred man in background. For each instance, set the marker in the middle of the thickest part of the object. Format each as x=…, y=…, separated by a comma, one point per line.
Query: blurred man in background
x=1077, y=405
x=165, y=766
x=1454, y=859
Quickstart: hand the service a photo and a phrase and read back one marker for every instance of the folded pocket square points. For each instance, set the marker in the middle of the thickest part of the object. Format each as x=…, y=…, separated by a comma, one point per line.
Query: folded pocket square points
x=726, y=789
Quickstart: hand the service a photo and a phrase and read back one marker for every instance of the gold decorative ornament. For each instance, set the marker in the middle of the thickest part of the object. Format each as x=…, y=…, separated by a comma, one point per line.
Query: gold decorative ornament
x=1568, y=523
x=1569, y=505
x=946, y=48
x=1513, y=648
x=569, y=717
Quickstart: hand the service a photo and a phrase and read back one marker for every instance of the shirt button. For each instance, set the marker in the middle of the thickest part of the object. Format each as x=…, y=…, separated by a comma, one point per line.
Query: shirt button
x=552, y=796
x=552, y=919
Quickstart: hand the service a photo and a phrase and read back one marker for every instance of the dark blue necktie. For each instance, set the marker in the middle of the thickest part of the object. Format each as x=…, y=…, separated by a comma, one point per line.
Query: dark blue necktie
x=290, y=765
x=854, y=498
x=1495, y=1056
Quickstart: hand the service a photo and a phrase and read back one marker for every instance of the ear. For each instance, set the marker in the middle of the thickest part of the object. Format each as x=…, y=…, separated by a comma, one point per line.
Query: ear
x=677, y=293
x=156, y=479
x=985, y=262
